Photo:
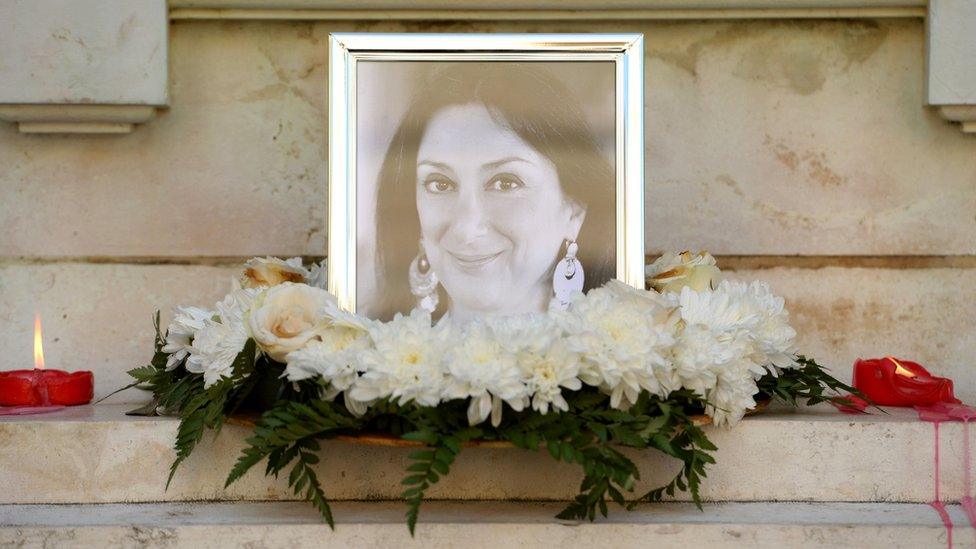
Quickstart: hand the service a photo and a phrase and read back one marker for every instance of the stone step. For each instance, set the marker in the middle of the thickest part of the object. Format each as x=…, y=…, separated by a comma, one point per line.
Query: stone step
x=99, y=455
x=481, y=524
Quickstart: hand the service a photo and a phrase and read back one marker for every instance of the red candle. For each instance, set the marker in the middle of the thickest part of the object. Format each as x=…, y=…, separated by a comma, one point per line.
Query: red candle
x=894, y=382
x=43, y=387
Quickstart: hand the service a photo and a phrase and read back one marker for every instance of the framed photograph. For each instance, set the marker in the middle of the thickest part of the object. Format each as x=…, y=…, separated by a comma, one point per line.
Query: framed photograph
x=475, y=174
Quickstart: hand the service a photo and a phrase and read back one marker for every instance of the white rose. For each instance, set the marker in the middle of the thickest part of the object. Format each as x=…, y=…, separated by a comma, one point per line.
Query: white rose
x=271, y=271
x=671, y=272
x=287, y=316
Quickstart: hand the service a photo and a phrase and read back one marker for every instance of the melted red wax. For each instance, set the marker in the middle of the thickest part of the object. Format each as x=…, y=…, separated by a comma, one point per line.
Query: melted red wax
x=968, y=505
x=936, y=414
x=894, y=381
x=28, y=410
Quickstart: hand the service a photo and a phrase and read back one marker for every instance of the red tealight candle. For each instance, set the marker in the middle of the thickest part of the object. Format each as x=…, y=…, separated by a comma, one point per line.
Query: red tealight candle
x=44, y=388
x=893, y=382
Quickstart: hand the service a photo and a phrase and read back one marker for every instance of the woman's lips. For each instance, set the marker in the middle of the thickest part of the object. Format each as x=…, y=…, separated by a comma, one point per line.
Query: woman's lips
x=474, y=261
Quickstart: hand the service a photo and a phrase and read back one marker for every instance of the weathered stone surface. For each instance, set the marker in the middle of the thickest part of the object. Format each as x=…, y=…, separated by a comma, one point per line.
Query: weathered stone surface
x=812, y=144
x=763, y=137
x=495, y=525
x=842, y=314
x=97, y=317
x=58, y=51
x=235, y=167
x=819, y=454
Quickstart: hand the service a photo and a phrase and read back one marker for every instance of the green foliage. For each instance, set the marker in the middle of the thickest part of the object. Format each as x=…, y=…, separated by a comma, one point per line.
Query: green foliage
x=809, y=382
x=430, y=465
x=202, y=408
x=179, y=392
x=590, y=434
x=201, y=411
x=290, y=432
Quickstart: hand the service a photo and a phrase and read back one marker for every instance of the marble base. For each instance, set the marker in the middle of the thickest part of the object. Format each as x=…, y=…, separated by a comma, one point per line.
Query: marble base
x=495, y=525
x=99, y=455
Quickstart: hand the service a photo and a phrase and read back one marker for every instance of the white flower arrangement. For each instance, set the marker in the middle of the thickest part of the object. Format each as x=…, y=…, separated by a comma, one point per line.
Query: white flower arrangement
x=621, y=366
x=715, y=340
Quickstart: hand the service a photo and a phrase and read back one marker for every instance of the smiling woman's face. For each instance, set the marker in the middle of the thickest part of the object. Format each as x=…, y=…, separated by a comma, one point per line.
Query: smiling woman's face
x=493, y=216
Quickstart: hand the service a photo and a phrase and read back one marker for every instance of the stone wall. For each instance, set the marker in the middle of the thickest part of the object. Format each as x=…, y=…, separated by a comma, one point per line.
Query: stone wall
x=799, y=151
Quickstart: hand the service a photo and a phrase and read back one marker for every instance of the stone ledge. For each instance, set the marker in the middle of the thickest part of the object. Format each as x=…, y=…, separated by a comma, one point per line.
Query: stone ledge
x=83, y=66
x=77, y=118
x=98, y=455
x=542, y=9
x=496, y=525
x=964, y=115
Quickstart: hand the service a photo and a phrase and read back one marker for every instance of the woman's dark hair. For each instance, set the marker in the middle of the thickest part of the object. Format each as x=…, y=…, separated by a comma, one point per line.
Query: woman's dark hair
x=540, y=110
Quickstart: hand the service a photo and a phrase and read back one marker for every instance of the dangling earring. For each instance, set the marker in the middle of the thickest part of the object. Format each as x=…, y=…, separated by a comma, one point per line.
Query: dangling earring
x=423, y=282
x=568, y=277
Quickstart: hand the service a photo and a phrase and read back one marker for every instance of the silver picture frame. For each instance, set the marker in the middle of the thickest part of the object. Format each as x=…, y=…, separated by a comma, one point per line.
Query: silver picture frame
x=347, y=49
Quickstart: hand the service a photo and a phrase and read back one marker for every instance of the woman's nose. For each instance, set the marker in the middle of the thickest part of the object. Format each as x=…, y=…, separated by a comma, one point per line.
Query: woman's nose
x=470, y=220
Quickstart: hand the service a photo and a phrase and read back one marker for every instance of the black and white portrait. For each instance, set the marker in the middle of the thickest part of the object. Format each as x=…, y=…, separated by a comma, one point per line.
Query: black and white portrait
x=484, y=187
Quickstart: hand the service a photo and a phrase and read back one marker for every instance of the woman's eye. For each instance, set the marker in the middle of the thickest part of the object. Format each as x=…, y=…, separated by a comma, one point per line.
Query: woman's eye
x=439, y=185
x=505, y=183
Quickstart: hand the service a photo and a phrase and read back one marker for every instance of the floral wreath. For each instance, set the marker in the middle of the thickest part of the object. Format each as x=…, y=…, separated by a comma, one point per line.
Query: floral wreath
x=620, y=367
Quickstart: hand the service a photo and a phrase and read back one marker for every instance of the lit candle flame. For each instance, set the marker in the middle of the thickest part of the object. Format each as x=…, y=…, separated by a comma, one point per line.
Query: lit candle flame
x=901, y=370
x=38, y=348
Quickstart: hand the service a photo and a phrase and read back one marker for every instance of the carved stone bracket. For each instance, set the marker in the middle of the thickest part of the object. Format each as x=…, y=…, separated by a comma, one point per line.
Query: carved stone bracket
x=68, y=118
x=965, y=115
x=951, y=38
x=82, y=66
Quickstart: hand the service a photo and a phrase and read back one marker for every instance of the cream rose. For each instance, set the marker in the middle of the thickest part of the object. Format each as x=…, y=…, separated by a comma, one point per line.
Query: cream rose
x=671, y=272
x=271, y=271
x=287, y=316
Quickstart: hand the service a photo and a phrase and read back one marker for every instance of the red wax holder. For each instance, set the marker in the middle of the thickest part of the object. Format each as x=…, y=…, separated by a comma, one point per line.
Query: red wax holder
x=45, y=387
x=891, y=381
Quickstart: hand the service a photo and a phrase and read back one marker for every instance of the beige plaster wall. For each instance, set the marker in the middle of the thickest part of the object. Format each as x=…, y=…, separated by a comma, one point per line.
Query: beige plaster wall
x=783, y=138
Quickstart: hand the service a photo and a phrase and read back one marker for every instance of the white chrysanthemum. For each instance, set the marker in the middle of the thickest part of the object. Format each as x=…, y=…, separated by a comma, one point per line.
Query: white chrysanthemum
x=237, y=304
x=731, y=338
x=406, y=362
x=721, y=310
x=774, y=337
x=547, y=364
x=335, y=358
x=624, y=336
x=482, y=369
x=214, y=349
x=318, y=274
x=222, y=338
x=524, y=333
x=732, y=395
x=754, y=313
x=729, y=320
x=187, y=321
x=548, y=373
x=333, y=355
x=698, y=355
